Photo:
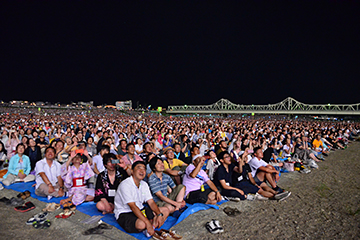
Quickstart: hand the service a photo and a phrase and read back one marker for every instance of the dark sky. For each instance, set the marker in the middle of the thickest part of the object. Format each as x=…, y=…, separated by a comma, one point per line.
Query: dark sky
x=179, y=52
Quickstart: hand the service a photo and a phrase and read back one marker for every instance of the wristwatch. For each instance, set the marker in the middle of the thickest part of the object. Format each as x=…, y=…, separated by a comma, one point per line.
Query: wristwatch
x=160, y=214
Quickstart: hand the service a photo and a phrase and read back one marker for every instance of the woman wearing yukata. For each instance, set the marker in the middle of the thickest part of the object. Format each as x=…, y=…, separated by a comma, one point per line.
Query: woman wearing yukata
x=75, y=177
x=107, y=183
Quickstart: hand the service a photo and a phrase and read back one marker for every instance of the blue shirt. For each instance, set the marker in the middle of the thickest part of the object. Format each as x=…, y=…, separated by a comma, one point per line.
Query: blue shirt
x=157, y=185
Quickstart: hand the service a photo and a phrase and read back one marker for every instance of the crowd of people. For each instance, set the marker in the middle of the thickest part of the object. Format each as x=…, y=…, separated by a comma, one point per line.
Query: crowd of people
x=144, y=167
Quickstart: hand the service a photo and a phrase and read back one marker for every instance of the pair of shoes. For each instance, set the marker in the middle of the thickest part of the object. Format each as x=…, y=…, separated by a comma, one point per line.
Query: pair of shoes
x=279, y=190
x=231, y=211
x=5, y=200
x=40, y=218
x=282, y=196
x=99, y=229
x=15, y=201
x=250, y=197
x=214, y=226
x=51, y=207
x=172, y=234
x=161, y=235
x=42, y=225
x=234, y=199
x=305, y=170
x=260, y=198
x=24, y=195
x=27, y=207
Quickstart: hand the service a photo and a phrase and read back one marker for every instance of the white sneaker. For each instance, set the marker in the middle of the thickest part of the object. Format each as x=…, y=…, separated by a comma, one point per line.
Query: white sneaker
x=234, y=199
x=1, y=187
x=285, y=196
x=260, y=198
x=250, y=197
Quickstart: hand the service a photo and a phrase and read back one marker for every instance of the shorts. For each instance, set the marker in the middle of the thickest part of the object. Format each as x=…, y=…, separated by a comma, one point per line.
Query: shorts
x=257, y=181
x=127, y=220
x=198, y=196
x=171, y=196
x=247, y=187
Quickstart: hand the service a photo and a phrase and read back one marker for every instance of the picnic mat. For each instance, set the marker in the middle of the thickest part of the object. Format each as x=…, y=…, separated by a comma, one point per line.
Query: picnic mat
x=90, y=209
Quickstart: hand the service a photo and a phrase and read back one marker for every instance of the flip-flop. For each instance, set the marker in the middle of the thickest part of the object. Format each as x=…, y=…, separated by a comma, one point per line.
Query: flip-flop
x=72, y=207
x=94, y=230
x=51, y=207
x=231, y=211
x=28, y=206
x=24, y=195
x=104, y=226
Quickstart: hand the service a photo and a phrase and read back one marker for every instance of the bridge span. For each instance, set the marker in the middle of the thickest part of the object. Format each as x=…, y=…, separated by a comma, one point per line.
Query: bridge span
x=287, y=106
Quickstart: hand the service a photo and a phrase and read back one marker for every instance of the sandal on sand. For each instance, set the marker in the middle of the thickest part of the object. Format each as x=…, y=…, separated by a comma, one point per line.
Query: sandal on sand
x=51, y=207
x=94, y=230
x=231, y=211
x=28, y=206
x=24, y=195
x=104, y=226
x=72, y=207
x=172, y=234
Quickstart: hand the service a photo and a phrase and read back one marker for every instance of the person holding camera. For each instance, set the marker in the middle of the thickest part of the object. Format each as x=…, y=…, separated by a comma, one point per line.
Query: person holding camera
x=108, y=181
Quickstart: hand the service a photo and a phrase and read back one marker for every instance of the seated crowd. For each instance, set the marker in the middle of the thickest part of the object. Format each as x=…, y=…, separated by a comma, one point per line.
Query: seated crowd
x=145, y=170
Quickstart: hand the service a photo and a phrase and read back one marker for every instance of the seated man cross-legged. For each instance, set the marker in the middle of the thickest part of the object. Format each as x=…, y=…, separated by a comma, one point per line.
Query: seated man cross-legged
x=130, y=212
x=262, y=171
x=48, y=176
x=161, y=183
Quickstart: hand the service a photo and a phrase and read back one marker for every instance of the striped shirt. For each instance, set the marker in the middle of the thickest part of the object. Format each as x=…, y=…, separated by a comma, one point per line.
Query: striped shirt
x=157, y=185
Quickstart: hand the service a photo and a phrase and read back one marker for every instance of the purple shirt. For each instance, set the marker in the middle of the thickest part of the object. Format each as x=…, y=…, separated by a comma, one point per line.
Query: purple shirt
x=193, y=184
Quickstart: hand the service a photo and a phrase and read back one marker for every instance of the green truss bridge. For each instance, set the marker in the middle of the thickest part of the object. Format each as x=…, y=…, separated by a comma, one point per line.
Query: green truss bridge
x=287, y=106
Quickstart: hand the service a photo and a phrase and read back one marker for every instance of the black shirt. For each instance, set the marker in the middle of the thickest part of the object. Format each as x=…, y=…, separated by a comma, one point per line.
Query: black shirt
x=268, y=154
x=222, y=174
x=243, y=176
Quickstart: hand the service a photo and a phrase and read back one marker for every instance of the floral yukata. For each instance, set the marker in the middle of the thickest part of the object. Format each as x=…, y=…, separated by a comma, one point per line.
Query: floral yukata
x=104, y=188
x=75, y=181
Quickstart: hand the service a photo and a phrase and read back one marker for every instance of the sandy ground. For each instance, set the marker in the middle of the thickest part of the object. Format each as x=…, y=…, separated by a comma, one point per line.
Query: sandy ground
x=324, y=204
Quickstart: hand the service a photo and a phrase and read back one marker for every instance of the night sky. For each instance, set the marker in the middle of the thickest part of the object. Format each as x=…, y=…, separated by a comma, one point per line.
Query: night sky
x=180, y=52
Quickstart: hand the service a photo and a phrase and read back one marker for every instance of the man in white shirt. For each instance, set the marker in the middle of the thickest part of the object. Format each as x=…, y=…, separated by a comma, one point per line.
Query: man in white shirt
x=48, y=176
x=130, y=212
x=261, y=171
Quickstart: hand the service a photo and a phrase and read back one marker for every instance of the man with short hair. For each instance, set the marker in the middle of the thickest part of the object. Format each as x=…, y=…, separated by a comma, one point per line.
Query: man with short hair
x=130, y=157
x=163, y=188
x=261, y=170
x=130, y=212
x=194, y=180
x=194, y=151
x=221, y=147
x=48, y=176
x=178, y=153
x=174, y=167
x=122, y=147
